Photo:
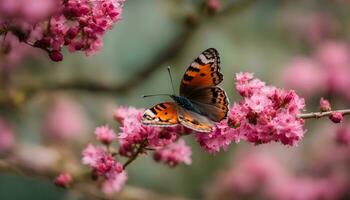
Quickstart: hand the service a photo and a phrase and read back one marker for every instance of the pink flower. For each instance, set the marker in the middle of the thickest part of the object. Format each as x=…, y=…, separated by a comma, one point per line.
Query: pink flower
x=174, y=154
x=122, y=113
x=105, y=134
x=92, y=155
x=265, y=114
x=114, y=184
x=50, y=25
x=106, y=167
x=221, y=137
x=214, y=5
x=65, y=120
x=133, y=132
x=335, y=58
x=7, y=138
x=336, y=117
x=63, y=180
x=325, y=105
x=343, y=135
x=305, y=75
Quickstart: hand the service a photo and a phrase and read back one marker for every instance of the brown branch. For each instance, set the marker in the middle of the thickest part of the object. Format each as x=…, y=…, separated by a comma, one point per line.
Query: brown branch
x=317, y=115
x=139, y=150
x=170, y=52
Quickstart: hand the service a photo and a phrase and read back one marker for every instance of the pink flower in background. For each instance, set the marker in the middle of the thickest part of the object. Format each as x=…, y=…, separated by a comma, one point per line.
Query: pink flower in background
x=105, y=134
x=262, y=175
x=326, y=71
x=51, y=25
x=12, y=52
x=310, y=27
x=7, y=137
x=174, y=153
x=214, y=5
x=335, y=58
x=65, y=120
x=325, y=105
x=305, y=75
x=114, y=184
x=343, y=135
x=106, y=167
x=27, y=11
x=63, y=180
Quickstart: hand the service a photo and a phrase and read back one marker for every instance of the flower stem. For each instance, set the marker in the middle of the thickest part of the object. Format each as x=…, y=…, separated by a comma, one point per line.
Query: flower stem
x=317, y=115
x=134, y=156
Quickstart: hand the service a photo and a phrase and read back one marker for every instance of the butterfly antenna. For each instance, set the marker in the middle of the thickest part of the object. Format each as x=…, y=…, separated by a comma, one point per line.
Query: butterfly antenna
x=171, y=80
x=154, y=95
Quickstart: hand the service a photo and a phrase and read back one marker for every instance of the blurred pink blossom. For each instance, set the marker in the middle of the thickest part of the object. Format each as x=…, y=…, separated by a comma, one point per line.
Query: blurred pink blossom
x=214, y=5
x=327, y=70
x=105, y=166
x=115, y=184
x=174, y=153
x=63, y=180
x=305, y=75
x=311, y=27
x=65, y=120
x=343, y=135
x=12, y=52
x=105, y=134
x=325, y=105
x=7, y=137
x=335, y=58
x=261, y=175
x=27, y=11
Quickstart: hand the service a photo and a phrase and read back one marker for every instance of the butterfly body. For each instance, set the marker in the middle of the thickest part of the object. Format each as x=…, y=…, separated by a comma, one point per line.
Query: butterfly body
x=201, y=102
x=185, y=103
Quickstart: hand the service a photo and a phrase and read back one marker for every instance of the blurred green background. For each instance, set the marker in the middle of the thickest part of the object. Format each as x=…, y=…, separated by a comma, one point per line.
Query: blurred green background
x=152, y=35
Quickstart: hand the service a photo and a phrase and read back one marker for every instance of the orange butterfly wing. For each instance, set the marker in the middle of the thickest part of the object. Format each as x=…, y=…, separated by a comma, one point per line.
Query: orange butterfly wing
x=195, y=121
x=163, y=114
x=203, y=72
x=199, y=85
x=211, y=101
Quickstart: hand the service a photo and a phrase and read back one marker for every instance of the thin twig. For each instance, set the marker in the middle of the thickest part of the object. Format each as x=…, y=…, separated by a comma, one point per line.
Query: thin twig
x=170, y=52
x=139, y=150
x=317, y=115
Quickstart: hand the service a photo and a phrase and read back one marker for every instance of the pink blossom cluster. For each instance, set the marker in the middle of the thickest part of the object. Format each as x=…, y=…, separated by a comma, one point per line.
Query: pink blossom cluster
x=65, y=120
x=164, y=140
x=134, y=139
x=174, y=153
x=326, y=71
x=77, y=24
x=104, y=166
x=265, y=114
x=259, y=175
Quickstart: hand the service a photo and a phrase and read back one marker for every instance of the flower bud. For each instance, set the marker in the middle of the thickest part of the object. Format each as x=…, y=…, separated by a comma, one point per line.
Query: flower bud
x=56, y=56
x=325, y=105
x=63, y=180
x=336, y=117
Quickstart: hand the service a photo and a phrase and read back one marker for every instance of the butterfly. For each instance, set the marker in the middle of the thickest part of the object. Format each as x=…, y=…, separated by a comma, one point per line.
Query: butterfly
x=201, y=102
